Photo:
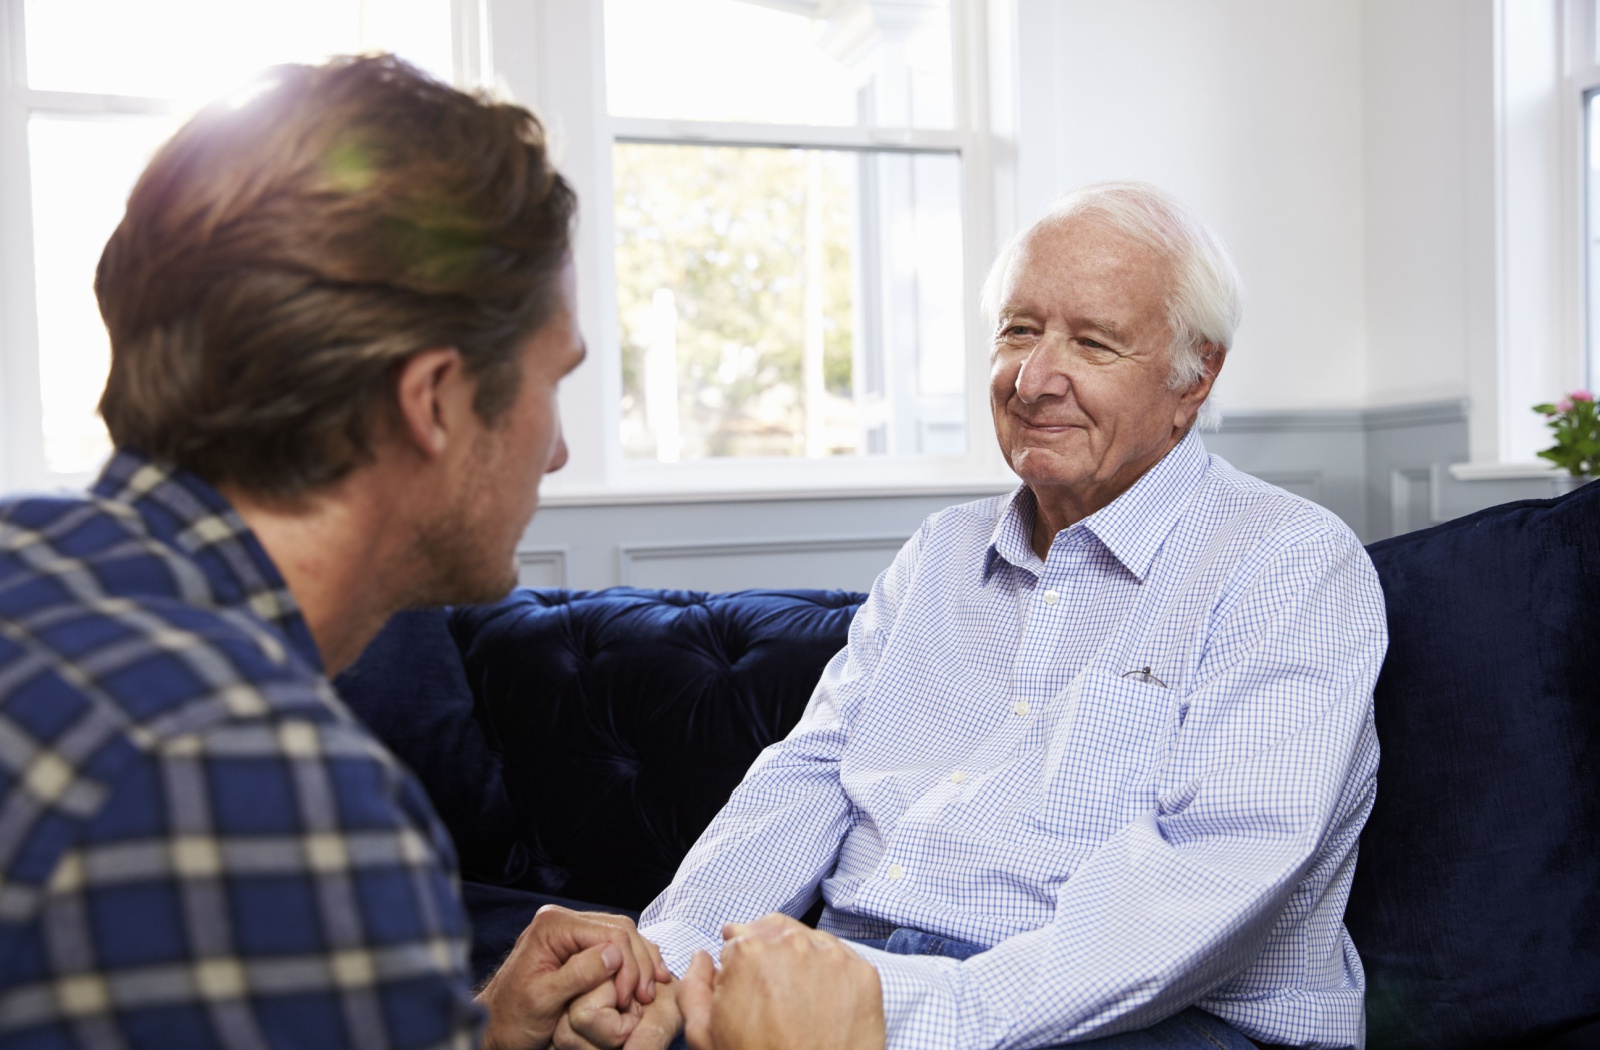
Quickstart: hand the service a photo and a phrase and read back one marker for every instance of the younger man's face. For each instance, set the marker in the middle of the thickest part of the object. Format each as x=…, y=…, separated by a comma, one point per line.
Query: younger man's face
x=474, y=542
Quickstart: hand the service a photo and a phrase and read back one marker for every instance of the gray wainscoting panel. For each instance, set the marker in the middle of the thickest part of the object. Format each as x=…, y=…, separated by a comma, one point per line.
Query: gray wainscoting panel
x=542, y=566
x=1409, y=485
x=1408, y=448
x=832, y=542
x=850, y=562
x=1318, y=454
x=1463, y=497
x=1413, y=498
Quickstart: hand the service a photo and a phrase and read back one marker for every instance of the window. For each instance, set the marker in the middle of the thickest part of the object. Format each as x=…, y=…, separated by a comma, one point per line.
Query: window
x=787, y=210
x=92, y=87
x=1585, y=84
x=777, y=298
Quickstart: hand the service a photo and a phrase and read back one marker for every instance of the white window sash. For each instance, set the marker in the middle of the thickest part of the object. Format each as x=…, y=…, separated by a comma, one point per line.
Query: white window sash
x=551, y=55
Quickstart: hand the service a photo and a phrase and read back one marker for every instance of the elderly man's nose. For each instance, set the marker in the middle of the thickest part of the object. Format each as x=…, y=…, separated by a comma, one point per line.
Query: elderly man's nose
x=1042, y=374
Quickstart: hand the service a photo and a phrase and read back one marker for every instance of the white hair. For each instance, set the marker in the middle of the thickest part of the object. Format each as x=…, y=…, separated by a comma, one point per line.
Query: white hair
x=1204, y=304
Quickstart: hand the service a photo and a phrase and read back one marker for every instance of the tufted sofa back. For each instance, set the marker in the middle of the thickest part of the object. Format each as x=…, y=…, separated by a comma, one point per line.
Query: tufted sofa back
x=577, y=743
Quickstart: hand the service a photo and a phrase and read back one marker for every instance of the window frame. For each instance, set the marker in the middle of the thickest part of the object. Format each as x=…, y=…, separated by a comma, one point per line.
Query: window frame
x=552, y=56
x=22, y=456
x=1582, y=86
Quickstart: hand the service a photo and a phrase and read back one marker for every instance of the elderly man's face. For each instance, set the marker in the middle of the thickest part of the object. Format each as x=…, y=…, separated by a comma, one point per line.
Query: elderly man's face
x=1079, y=366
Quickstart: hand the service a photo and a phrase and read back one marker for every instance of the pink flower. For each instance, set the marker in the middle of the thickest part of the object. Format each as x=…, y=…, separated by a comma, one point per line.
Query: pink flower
x=1581, y=395
x=1564, y=405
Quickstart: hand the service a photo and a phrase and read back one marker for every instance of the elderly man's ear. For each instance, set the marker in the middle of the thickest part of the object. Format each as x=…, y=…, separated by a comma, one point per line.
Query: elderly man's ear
x=1212, y=358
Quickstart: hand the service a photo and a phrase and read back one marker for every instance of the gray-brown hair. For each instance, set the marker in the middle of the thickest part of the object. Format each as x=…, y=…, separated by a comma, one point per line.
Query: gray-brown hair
x=282, y=257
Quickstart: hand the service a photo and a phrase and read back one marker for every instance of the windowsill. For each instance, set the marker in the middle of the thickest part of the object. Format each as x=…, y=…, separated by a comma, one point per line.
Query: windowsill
x=612, y=496
x=1524, y=471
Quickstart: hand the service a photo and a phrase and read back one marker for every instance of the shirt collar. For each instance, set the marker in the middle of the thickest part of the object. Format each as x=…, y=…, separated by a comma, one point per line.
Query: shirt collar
x=180, y=509
x=1132, y=527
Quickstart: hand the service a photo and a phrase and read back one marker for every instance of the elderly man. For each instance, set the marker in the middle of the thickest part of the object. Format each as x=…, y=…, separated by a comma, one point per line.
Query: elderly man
x=1096, y=757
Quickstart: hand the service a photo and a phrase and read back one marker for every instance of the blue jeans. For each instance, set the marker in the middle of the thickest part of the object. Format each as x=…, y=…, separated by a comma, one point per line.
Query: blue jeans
x=1193, y=1029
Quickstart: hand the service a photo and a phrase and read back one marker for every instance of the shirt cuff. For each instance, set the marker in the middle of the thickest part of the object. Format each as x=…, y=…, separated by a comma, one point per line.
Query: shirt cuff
x=678, y=942
x=921, y=996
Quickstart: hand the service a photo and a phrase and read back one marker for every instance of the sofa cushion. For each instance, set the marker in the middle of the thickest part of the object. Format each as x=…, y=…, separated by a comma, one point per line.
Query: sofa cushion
x=408, y=688
x=627, y=717
x=1476, y=903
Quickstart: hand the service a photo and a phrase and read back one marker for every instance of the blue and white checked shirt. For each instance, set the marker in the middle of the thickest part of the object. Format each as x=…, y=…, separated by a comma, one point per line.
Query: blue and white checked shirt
x=199, y=845
x=979, y=763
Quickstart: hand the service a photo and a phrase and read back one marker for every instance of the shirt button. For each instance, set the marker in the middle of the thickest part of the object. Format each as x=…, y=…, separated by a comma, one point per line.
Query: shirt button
x=957, y=777
x=895, y=873
x=1020, y=707
x=1051, y=597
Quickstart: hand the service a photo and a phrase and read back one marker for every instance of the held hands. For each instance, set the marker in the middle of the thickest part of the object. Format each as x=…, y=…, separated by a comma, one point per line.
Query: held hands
x=559, y=957
x=595, y=1021
x=782, y=986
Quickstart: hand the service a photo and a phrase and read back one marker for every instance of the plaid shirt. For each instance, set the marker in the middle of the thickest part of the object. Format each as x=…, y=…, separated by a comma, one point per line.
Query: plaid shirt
x=199, y=845
x=1134, y=771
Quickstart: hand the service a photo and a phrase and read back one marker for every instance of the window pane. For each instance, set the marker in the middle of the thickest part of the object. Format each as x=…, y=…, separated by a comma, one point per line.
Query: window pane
x=82, y=172
x=1592, y=232
x=739, y=60
x=197, y=49
x=778, y=302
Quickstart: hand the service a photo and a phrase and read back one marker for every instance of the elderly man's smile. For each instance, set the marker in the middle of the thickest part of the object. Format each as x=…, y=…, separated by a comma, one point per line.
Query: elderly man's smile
x=1082, y=366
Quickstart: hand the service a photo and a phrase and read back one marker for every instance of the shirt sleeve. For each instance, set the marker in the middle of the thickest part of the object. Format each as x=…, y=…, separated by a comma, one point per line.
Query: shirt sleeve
x=1271, y=776
x=779, y=835
x=278, y=882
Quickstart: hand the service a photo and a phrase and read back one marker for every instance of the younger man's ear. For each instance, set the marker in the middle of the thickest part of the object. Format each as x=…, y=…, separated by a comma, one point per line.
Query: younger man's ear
x=428, y=390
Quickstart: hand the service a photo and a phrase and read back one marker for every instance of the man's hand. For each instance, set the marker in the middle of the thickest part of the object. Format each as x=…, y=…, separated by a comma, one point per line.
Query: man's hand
x=564, y=954
x=782, y=986
x=594, y=1021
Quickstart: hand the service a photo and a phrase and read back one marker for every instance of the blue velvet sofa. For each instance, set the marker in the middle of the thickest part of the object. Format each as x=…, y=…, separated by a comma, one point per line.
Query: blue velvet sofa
x=577, y=743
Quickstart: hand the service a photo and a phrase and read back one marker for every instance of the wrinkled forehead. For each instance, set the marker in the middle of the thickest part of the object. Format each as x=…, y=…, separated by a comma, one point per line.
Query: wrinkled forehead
x=1088, y=247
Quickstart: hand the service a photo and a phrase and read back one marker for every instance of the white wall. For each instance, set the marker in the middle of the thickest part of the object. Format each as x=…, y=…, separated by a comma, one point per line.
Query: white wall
x=1429, y=225
x=1251, y=111
x=1474, y=260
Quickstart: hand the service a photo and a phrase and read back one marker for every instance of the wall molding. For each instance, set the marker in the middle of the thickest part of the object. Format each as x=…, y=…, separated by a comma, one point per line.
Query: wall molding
x=631, y=555
x=1418, y=414
x=958, y=490
x=1414, y=498
x=550, y=562
x=1252, y=421
x=1292, y=420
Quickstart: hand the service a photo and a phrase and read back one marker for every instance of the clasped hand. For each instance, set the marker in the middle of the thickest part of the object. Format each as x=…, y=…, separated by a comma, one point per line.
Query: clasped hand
x=559, y=957
x=782, y=986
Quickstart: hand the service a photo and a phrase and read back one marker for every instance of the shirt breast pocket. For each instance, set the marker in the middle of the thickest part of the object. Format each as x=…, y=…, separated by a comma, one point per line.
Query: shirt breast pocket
x=1101, y=761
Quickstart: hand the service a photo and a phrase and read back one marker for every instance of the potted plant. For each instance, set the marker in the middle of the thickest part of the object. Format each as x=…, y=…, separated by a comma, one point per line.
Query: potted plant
x=1575, y=422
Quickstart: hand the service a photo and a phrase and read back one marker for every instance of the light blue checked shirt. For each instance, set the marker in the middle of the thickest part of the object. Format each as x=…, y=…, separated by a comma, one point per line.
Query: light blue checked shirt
x=980, y=763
